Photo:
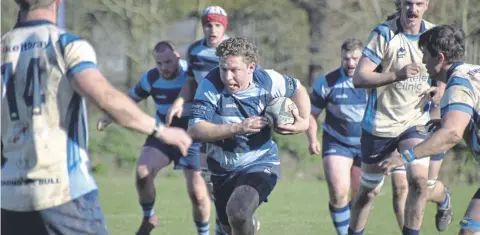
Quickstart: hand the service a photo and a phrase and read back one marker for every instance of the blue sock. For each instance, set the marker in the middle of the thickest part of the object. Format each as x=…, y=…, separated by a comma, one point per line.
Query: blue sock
x=341, y=218
x=351, y=232
x=218, y=228
x=409, y=231
x=148, y=210
x=444, y=205
x=202, y=228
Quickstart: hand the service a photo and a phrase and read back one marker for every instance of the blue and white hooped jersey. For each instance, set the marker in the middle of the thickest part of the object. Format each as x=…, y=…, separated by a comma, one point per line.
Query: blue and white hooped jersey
x=44, y=121
x=344, y=105
x=462, y=94
x=163, y=91
x=214, y=104
x=201, y=59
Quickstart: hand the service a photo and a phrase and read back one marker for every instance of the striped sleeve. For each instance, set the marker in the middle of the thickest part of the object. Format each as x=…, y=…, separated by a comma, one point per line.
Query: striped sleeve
x=319, y=94
x=142, y=89
x=377, y=42
x=458, y=96
x=282, y=85
x=205, y=102
x=78, y=54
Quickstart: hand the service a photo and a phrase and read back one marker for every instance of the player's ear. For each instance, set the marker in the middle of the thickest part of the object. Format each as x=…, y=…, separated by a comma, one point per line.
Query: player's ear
x=251, y=67
x=441, y=58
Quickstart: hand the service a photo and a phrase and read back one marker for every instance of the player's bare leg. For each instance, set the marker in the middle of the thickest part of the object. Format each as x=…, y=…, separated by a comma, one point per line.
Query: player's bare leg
x=150, y=162
x=371, y=181
x=355, y=174
x=417, y=176
x=199, y=196
x=400, y=192
x=240, y=210
x=470, y=225
x=337, y=172
x=439, y=193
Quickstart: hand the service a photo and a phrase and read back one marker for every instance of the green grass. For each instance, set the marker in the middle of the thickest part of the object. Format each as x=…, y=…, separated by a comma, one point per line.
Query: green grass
x=294, y=208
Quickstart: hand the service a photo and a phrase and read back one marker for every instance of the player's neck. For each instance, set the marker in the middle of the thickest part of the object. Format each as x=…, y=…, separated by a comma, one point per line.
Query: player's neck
x=40, y=14
x=412, y=29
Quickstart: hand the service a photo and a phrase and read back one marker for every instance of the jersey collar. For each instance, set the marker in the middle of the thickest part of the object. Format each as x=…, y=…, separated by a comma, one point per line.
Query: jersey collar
x=31, y=23
x=452, y=68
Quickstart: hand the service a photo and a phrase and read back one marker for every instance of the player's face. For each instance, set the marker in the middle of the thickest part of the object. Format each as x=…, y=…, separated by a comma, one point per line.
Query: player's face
x=412, y=11
x=214, y=32
x=350, y=61
x=432, y=63
x=167, y=63
x=235, y=73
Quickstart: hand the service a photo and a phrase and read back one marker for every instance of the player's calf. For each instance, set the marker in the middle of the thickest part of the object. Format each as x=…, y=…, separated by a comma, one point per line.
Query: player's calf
x=240, y=209
x=417, y=198
x=400, y=193
x=197, y=191
x=470, y=225
x=370, y=185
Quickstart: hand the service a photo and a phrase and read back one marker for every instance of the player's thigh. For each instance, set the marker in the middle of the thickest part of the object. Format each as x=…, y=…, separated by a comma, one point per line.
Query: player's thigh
x=252, y=189
x=337, y=172
x=419, y=167
x=80, y=216
x=153, y=157
x=195, y=182
x=337, y=162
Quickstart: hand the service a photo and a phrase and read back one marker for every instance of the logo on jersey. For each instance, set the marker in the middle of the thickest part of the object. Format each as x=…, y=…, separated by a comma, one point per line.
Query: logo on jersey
x=401, y=53
x=412, y=84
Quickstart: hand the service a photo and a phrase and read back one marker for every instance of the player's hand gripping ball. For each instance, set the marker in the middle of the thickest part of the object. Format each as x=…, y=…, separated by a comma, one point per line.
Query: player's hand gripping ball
x=279, y=112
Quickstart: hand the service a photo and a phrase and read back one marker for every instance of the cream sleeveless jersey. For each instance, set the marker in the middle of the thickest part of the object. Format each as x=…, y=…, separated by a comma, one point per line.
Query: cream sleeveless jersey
x=393, y=108
x=44, y=124
x=461, y=94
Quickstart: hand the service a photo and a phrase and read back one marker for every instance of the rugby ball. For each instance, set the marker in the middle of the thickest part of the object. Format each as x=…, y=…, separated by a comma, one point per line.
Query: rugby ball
x=279, y=112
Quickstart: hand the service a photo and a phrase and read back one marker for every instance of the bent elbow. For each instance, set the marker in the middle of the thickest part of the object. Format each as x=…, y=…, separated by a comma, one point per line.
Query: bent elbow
x=358, y=81
x=455, y=137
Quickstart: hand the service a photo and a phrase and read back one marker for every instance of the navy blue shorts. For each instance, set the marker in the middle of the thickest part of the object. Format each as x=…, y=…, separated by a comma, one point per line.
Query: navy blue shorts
x=261, y=177
x=191, y=161
x=331, y=146
x=382, y=147
x=78, y=217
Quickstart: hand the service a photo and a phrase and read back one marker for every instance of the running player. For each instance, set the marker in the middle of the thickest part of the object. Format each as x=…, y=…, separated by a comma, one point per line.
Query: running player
x=46, y=184
x=163, y=83
x=201, y=59
x=398, y=94
x=444, y=52
x=344, y=107
x=227, y=113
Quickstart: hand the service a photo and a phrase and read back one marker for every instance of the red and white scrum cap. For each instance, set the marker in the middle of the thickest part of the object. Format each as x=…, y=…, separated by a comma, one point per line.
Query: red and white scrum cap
x=215, y=14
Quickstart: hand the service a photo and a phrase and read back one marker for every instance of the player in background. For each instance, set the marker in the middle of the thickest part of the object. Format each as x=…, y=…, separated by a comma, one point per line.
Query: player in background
x=201, y=59
x=46, y=184
x=227, y=113
x=344, y=107
x=163, y=83
x=399, y=177
x=399, y=92
x=444, y=54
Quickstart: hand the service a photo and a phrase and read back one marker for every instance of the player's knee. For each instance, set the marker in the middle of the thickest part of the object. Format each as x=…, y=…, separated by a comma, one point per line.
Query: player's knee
x=400, y=191
x=418, y=184
x=237, y=217
x=142, y=171
x=339, y=197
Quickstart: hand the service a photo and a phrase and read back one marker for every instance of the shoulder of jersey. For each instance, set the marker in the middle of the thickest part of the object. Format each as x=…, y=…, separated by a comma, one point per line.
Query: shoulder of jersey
x=428, y=25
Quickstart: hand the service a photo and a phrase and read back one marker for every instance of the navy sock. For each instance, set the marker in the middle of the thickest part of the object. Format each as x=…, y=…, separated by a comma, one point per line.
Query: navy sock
x=341, y=218
x=351, y=232
x=203, y=228
x=409, y=231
